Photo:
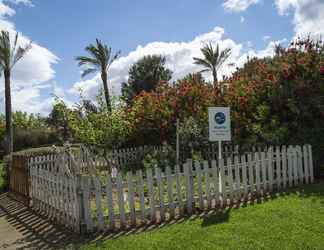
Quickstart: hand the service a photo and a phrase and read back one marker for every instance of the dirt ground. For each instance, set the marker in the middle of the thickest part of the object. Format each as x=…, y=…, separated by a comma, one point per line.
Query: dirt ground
x=21, y=228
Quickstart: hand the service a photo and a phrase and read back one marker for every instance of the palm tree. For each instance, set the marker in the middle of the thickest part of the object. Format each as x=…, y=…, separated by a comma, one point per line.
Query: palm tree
x=10, y=54
x=100, y=59
x=213, y=59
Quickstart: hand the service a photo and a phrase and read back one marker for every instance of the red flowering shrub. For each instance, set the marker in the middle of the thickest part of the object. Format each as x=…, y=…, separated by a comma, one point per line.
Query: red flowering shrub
x=280, y=100
x=153, y=115
x=277, y=100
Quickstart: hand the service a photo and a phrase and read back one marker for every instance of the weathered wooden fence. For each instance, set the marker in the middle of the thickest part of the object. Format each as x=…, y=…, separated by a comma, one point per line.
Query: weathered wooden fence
x=19, y=178
x=91, y=203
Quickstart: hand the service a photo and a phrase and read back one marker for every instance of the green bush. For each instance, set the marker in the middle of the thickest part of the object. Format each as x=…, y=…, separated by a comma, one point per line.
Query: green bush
x=31, y=138
x=3, y=177
x=160, y=158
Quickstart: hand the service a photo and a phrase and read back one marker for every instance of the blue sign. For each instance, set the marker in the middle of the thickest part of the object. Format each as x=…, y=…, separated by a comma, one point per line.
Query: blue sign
x=220, y=118
x=219, y=123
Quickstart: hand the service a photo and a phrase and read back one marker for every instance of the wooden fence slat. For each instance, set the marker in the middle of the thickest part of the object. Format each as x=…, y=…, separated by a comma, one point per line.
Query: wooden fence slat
x=278, y=167
x=270, y=168
x=207, y=183
x=311, y=168
x=98, y=195
x=179, y=191
x=151, y=195
x=222, y=181
x=121, y=202
x=244, y=176
x=160, y=193
x=295, y=166
x=284, y=166
x=199, y=182
x=186, y=167
x=131, y=201
x=66, y=203
x=86, y=203
x=216, y=179
x=110, y=203
x=251, y=178
x=290, y=166
x=306, y=166
x=170, y=191
x=300, y=165
x=264, y=172
x=257, y=171
x=230, y=180
x=237, y=179
x=140, y=186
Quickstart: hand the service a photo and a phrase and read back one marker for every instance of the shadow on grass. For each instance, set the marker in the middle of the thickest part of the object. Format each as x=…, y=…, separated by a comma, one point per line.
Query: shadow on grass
x=214, y=216
x=218, y=217
x=39, y=233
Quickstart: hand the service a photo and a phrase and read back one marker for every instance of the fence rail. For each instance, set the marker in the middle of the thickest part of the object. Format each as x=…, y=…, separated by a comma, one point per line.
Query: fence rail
x=98, y=203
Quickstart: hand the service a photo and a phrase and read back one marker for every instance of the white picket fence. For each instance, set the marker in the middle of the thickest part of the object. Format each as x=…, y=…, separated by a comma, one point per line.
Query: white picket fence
x=99, y=203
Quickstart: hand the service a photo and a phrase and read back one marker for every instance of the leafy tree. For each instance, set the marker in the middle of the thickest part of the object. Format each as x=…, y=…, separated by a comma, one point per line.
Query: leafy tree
x=213, y=59
x=194, y=78
x=23, y=120
x=10, y=54
x=145, y=75
x=59, y=119
x=100, y=59
x=99, y=129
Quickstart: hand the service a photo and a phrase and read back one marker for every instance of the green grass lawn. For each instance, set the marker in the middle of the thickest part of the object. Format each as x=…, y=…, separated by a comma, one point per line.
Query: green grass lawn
x=292, y=221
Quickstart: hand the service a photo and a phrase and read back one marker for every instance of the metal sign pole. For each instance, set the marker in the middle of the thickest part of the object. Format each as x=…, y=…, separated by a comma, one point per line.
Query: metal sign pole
x=219, y=150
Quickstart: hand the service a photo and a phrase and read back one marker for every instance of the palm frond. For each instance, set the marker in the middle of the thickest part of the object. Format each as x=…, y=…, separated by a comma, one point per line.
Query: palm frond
x=88, y=71
x=93, y=51
x=5, y=49
x=21, y=51
x=15, y=43
x=204, y=70
x=114, y=58
x=202, y=62
x=84, y=60
x=213, y=58
x=9, y=53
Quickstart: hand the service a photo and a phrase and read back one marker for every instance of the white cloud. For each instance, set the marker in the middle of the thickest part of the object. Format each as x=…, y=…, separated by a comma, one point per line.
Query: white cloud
x=266, y=38
x=238, y=5
x=5, y=10
x=32, y=73
x=26, y=2
x=242, y=19
x=308, y=16
x=179, y=59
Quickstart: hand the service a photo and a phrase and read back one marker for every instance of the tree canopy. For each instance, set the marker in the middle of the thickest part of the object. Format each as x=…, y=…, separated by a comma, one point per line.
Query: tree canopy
x=145, y=75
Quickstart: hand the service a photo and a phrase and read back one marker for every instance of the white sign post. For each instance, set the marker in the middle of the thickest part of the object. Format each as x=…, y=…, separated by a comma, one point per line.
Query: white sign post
x=219, y=126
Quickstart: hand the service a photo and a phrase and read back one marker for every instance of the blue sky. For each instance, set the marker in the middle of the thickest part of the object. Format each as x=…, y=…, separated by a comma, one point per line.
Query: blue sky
x=177, y=29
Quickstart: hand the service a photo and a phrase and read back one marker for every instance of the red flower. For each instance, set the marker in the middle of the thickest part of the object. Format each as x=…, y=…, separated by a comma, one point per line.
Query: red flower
x=286, y=73
x=322, y=70
x=271, y=77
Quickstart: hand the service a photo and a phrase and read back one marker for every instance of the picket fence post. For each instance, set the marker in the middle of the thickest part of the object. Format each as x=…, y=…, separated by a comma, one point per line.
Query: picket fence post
x=310, y=158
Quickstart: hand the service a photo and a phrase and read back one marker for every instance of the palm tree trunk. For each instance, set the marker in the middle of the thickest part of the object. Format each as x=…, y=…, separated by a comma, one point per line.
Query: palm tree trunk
x=215, y=78
x=106, y=90
x=9, y=130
